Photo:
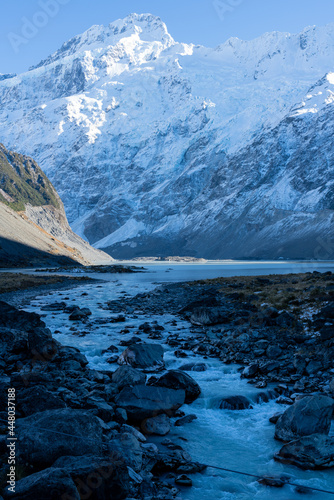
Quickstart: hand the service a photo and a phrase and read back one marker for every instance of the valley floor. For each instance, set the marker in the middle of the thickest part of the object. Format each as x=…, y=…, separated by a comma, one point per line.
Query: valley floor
x=236, y=350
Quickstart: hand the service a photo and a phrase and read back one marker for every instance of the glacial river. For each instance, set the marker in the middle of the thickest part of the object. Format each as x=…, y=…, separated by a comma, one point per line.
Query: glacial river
x=240, y=440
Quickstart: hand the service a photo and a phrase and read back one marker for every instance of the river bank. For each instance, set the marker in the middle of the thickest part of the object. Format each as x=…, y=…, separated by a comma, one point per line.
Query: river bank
x=234, y=344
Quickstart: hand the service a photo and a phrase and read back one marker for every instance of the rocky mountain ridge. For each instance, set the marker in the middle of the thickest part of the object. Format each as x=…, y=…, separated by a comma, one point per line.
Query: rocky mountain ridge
x=33, y=225
x=165, y=148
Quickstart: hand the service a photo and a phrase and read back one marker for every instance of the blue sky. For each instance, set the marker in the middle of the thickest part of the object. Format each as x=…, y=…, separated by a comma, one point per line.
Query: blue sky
x=206, y=22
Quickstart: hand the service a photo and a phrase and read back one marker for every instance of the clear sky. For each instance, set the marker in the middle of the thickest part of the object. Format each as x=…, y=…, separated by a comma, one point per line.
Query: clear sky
x=32, y=29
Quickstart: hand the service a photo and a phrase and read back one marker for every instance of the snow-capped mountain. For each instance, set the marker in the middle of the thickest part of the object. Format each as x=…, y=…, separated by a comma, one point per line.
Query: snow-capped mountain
x=159, y=147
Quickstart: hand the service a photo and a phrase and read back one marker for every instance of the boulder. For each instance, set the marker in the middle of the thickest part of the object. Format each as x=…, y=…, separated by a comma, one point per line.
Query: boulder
x=49, y=484
x=126, y=375
x=40, y=342
x=144, y=356
x=55, y=306
x=299, y=364
x=97, y=477
x=266, y=396
x=275, y=417
x=10, y=317
x=133, y=340
x=314, y=366
x=235, y=403
x=313, y=452
x=171, y=460
x=206, y=316
x=101, y=408
x=80, y=314
x=187, y=419
x=111, y=349
x=37, y=399
x=69, y=353
x=183, y=480
x=327, y=332
x=142, y=401
x=177, y=379
x=48, y=435
x=309, y=415
x=250, y=371
x=159, y=425
x=12, y=341
x=273, y=351
x=194, y=367
x=285, y=319
x=132, y=430
x=327, y=312
x=127, y=446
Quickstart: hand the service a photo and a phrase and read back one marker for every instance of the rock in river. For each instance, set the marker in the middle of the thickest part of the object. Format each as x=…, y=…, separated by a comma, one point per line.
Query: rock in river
x=126, y=375
x=177, y=379
x=310, y=452
x=194, y=367
x=235, y=403
x=310, y=415
x=142, y=401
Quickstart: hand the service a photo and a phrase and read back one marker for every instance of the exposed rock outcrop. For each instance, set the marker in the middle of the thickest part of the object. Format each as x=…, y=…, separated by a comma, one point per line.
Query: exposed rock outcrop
x=34, y=230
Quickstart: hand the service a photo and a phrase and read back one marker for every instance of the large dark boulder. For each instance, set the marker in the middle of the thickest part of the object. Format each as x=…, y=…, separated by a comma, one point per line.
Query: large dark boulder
x=144, y=356
x=80, y=314
x=97, y=477
x=194, y=367
x=49, y=484
x=37, y=399
x=310, y=452
x=12, y=341
x=126, y=375
x=327, y=312
x=250, y=371
x=310, y=415
x=128, y=447
x=46, y=436
x=142, y=401
x=75, y=478
x=69, y=353
x=11, y=317
x=41, y=343
x=177, y=379
x=171, y=460
x=235, y=403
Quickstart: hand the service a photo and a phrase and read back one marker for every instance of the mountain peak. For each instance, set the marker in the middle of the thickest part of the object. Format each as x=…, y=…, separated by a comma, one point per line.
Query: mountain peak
x=147, y=27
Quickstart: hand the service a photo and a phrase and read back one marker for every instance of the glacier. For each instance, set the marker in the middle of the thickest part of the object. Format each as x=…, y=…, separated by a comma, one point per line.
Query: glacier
x=164, y=148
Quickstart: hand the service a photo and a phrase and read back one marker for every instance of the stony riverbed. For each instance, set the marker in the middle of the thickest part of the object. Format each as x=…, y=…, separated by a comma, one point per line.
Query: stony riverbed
x=162, y=378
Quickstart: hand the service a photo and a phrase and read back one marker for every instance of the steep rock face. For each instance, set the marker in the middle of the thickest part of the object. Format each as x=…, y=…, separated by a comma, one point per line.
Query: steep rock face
x=23, y=182
x=33, y=225
x=274, y=197
x=159, y=147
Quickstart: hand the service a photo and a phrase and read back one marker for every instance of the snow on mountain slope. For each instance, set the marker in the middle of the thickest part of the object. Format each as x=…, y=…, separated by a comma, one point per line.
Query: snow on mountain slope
x=135, y=130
